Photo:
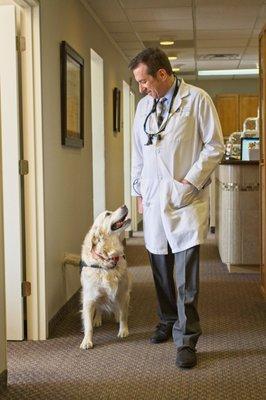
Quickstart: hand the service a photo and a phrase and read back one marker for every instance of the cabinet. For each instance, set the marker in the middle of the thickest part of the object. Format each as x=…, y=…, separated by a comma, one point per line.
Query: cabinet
x=262, y=63
x=238, y=216
x=233, y=109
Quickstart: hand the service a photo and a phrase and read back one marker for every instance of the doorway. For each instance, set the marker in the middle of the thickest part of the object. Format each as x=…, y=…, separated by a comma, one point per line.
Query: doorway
x=22, y=170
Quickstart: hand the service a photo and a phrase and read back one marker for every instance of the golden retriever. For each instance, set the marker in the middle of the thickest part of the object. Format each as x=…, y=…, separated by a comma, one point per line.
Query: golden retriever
x=104, y=277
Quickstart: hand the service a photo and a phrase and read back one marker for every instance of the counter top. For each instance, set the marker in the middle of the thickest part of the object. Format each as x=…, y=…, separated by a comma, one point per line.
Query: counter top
x=234, y=161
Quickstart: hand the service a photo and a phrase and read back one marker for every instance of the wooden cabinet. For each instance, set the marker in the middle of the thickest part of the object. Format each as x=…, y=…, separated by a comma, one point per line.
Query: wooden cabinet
x=233, y=109
x=262, y=60
x=227, y=108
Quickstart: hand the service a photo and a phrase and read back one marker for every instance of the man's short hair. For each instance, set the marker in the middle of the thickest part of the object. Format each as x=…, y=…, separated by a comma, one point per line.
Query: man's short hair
x=154, y=58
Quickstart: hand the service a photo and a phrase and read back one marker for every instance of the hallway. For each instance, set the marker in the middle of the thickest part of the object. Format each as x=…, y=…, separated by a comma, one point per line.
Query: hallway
x=231, y=351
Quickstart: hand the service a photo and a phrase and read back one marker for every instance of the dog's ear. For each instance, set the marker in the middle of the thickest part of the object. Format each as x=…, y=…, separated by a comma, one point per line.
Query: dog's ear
x=95, y=235
x=91, y=239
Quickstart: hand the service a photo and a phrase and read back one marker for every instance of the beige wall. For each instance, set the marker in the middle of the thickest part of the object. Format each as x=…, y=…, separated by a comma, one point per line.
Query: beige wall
x=219, y=86
x=68, y=171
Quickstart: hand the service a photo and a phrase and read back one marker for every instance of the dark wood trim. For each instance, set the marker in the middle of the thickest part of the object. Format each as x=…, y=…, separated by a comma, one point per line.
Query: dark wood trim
x=239, y=162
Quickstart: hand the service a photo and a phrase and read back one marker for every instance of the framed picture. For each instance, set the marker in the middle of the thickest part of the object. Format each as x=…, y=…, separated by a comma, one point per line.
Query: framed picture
x=116, y=110
x=72, y=97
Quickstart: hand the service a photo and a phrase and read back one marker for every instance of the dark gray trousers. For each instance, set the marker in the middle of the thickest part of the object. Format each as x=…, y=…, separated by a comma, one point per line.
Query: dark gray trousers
x=177, y=300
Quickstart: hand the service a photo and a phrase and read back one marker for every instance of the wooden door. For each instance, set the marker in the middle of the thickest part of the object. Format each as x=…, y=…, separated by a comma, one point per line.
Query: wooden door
x=227, y=108
x=262, y=60
x=248, y=107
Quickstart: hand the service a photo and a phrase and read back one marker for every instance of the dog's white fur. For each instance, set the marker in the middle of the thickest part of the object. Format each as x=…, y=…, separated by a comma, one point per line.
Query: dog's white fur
x=106, y=288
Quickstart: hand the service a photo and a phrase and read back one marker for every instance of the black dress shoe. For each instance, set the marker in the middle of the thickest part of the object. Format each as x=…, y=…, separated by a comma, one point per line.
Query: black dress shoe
x=162, y=333
x=186, y=357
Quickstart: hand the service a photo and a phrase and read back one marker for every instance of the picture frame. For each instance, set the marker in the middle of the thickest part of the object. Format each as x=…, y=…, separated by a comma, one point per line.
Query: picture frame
x=116, y=109
x=72, y=96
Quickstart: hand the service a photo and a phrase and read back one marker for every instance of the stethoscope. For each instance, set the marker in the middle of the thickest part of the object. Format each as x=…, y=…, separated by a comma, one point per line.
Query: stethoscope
x=157, y=135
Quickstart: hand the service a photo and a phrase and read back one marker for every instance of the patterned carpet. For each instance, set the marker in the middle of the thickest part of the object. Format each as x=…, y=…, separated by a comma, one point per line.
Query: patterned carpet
x=231, y=351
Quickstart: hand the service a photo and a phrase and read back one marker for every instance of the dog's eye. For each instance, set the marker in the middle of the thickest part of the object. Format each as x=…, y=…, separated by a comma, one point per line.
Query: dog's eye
x=107, y=214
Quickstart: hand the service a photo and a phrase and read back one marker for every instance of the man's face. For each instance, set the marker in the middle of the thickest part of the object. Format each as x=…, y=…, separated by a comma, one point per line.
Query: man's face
x=148, y=84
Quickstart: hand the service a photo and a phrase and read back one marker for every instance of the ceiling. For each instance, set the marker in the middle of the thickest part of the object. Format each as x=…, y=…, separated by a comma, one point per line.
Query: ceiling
x=208, y=34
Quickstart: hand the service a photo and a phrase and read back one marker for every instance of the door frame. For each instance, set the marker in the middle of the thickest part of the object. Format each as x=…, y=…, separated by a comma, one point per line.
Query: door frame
x=127, y=150
x=98, y=136
x=37, y=324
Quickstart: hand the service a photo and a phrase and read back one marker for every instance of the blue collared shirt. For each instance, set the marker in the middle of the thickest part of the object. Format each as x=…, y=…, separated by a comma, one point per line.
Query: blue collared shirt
x=169, y=96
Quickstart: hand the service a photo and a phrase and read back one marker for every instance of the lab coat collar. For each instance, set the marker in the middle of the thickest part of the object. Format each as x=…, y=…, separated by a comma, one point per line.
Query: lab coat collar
x=183, y=91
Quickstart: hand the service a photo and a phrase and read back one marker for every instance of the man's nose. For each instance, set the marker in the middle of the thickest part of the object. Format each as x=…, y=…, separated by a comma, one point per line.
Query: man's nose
x=141, y=88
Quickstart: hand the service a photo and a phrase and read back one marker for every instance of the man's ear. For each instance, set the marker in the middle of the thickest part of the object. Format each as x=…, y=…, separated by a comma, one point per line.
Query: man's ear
x=162, y=74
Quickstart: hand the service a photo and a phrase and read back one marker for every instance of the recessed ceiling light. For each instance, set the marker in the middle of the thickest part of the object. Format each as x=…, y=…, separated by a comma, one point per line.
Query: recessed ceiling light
x=166, y=42
x=175, y=69
x=253, y=71
x=171, y=58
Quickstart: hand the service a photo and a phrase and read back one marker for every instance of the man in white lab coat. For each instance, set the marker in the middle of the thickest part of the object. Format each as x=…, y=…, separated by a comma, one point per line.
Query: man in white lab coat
x=177, y=143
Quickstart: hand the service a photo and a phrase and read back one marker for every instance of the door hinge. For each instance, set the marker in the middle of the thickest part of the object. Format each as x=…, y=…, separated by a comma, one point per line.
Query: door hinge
x=26, y=288
x=23, y=167
x=21, y=43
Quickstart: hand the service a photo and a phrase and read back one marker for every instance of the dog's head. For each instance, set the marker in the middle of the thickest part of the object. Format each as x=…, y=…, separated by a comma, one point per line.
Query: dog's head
x=112, y=222
x=103, y=237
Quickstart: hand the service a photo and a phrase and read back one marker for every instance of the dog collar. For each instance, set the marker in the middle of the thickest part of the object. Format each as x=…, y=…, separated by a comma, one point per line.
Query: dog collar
x=82, y=264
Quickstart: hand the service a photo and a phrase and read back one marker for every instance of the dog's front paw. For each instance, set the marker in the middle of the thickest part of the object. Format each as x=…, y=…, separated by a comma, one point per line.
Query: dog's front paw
x=123, y=332
x=86, y=344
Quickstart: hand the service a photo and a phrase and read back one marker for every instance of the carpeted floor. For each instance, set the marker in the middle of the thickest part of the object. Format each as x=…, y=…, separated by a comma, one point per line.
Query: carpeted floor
x=231, y=351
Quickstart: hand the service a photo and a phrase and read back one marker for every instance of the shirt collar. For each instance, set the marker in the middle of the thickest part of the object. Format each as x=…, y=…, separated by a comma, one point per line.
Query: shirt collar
x=170, y=92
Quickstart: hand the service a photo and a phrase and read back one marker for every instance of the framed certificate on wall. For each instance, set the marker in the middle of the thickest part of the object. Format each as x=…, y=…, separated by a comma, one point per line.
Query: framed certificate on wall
x=72, y=97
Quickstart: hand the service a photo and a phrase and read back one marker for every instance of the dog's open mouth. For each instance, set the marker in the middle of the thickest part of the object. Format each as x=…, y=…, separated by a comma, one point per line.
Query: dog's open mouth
x=118, y=224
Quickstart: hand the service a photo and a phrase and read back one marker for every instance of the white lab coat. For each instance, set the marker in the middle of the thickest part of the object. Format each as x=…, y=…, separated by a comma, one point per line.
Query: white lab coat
x=191, y=147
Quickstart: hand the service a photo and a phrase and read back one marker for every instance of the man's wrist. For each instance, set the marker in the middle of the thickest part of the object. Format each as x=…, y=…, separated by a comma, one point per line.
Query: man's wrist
x=186, y=182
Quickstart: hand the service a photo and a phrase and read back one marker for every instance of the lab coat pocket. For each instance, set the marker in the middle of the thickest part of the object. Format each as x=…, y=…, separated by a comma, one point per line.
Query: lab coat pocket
x=182, y=194
x=148, y=190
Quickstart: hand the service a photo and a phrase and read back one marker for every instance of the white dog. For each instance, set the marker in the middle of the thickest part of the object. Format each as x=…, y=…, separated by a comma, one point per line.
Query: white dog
x=104, y=277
